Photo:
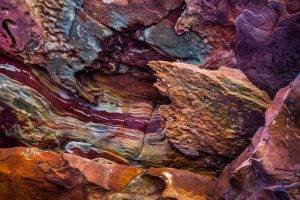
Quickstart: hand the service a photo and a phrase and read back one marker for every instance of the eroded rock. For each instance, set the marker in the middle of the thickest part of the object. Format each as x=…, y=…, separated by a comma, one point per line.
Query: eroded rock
x=29, y=173
x=215, y=112
x=269, y=167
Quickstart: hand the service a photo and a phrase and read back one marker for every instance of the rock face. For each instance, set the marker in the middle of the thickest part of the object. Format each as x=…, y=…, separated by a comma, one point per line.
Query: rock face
x=269, y=167
x=67, y=36
x=212, y=111
x=28, y=173
x=266, y=40
x=90, y=118
x=125, y=126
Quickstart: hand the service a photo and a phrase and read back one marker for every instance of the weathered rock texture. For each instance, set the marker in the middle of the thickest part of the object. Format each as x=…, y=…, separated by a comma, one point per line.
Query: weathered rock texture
x=75, y=80
x=125, y=126
x=211, y=111
x=28, y=173
x=67, y=36
x=269, y=167
x=264, y=35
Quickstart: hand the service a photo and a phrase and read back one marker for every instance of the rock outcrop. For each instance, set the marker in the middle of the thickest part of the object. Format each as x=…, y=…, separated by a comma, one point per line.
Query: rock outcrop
x=269, y=167
x=263, y=34
x=29, y=173
x=211, y=111
x=143, y=99
x=66, y=37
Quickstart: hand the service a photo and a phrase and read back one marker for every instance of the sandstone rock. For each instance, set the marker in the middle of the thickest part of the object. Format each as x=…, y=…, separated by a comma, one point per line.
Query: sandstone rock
x=124, y=14
x=77, y=83
x=28, y=173
x=215, y=112
x=124, y=127
x=66, y=36
x=182, y=184
x=40, y=114
x=269, y=167
x=33, y=174
x=262, y=33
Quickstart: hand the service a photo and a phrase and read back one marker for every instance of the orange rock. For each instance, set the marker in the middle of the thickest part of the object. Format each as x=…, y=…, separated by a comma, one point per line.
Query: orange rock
x=212, y=111
x=182, y=184
x=28, y=174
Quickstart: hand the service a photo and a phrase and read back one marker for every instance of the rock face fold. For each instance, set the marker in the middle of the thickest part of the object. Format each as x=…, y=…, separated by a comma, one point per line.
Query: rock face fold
x=215, y=112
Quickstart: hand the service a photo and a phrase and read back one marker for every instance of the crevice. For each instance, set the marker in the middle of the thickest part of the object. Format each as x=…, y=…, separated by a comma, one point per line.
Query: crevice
x=5, y=24
x=148, y=123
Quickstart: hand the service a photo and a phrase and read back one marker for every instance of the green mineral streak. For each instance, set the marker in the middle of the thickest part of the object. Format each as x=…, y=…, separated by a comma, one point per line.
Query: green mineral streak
x=188, y=48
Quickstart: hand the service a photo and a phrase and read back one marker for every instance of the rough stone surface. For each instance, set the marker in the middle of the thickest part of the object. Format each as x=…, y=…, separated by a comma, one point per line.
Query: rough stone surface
x=28, y=173
x=263, y=34
x=75, y=84
x=269, y=167
x=215, y=112
x=125, y=126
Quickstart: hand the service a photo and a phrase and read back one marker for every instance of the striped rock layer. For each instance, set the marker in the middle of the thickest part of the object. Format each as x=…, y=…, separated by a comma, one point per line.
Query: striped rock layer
x=75, y=80
x=126, y=124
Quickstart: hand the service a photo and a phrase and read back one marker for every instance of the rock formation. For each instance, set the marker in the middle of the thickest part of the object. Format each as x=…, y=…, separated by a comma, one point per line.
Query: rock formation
x=143, y=99
x=29, y=173
x=269, y=167
x=211, y=111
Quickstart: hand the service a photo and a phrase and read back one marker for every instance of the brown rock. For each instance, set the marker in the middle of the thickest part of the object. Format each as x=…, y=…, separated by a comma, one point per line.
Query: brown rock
x=215, y=112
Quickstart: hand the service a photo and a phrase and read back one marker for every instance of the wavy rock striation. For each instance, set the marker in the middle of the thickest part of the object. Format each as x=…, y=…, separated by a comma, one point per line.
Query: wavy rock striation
x=75, y=84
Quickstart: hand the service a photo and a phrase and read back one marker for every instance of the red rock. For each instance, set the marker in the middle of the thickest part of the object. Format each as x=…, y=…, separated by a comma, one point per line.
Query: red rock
x=125, y=14
x=182, y=184
x=33, y=174
x=83, y=86
x=269, y=167
x=19, y=30
x=261, y=33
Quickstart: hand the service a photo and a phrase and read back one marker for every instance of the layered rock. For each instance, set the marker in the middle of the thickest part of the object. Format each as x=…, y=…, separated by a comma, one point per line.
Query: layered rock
x=126, y=125
x=269, y=167
x=68, y=36
x=213, y=112
x=41, y=114
x=74, y=80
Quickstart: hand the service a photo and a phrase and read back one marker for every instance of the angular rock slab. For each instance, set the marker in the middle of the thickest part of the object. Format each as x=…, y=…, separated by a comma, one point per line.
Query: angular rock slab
x=215, y=112
x=269, y=168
